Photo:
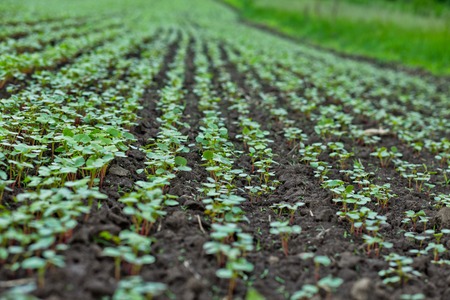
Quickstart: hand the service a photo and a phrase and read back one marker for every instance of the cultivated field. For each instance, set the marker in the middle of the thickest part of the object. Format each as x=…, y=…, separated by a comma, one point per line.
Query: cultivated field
x=164, y=150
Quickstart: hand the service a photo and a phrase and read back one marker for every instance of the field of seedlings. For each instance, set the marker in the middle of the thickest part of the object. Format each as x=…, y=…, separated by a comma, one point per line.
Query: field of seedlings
x=165, y=150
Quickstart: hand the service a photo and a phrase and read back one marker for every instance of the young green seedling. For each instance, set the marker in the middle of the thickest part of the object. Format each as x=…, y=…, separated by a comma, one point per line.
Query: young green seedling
x=330, y=284
x=412, y=216
x=385, y=156
x=234, y=269
x=284, y=207
x=320, y=260
x=400, y=269
x=41, y=264
x=284, y=231
x=135, y=288
x=437, y=249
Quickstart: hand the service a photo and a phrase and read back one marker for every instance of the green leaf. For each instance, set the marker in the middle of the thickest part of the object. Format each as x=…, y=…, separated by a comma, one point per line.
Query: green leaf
x=42, y=243
x=242, y=265
x=388, y=245
x=129, y=210
x=322, y=259
x=129, y=136
x=185, y=169
x=171, y=202
x=349, y=189
x=3, y=253
x=68, y=132
x=33, y=263
x=112, y=252
x=208, y=155
x=78, y=161
x=253, y=294
x=223, y=131
x=224, y=273
x=147, y=259
x=180, y=161
x=113, y=132
x=83, y=138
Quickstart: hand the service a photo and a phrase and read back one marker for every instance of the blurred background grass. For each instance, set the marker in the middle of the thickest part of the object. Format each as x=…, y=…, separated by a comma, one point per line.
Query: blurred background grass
x=414, y=33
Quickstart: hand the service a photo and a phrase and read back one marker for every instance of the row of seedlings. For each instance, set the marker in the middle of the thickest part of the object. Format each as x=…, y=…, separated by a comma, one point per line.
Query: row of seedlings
x=51, y=35
x=21, y=30
x=145, y=205
x=17, y=66
x=227, y=242
x=254, y=138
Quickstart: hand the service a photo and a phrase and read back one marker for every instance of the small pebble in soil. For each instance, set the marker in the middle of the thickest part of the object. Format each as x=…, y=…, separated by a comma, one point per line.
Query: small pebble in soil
x=324, y=215
x=443, y=217
x=118, y=171
x=273, y=260
x=362, y=289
